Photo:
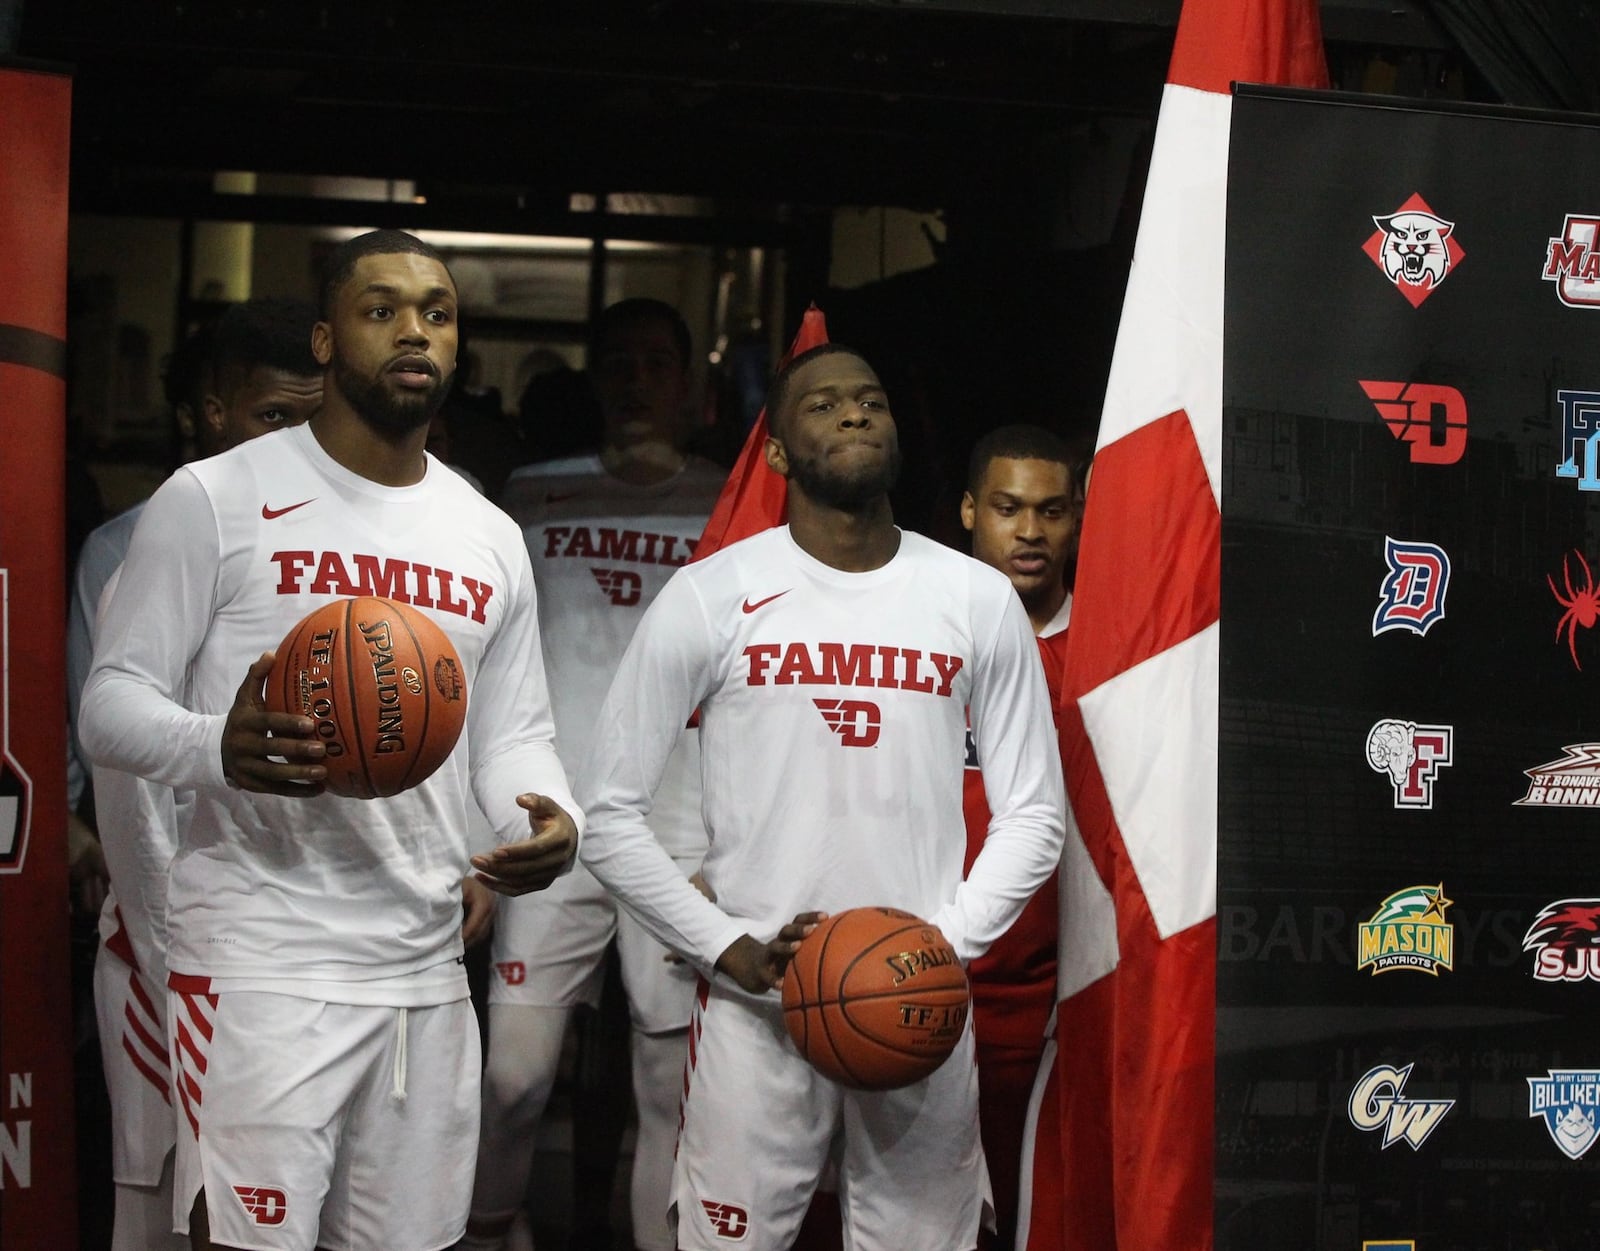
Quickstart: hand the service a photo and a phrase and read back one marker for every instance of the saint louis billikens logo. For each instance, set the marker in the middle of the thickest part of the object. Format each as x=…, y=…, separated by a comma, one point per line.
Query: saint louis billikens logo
x=1411, y=755
x=1412, y=595
x=1567, y=1099
x=1415, y=248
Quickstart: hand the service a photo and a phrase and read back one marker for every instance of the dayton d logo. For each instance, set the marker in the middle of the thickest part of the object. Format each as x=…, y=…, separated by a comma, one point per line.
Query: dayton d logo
x=1408, y=931
x=729, y=1221
x=1415, y=248
x=622, y=586
x=1412, y=595
x=266, y=1205
x=1431, y=420
x=857, y=722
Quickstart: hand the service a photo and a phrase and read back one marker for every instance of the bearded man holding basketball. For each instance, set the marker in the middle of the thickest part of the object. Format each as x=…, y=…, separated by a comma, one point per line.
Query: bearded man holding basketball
x=325, y=1054
x=832, y=661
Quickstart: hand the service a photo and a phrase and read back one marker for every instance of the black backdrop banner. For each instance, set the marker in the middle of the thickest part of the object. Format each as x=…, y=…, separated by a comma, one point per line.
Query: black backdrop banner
x=1408, y=978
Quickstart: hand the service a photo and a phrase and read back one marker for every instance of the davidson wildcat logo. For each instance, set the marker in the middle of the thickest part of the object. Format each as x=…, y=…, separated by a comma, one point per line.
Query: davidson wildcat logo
x=1415, y=248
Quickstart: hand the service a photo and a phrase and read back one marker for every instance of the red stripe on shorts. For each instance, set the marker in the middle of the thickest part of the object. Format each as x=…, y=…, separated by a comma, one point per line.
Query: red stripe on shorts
x=158, y=1080
x=156, y=1051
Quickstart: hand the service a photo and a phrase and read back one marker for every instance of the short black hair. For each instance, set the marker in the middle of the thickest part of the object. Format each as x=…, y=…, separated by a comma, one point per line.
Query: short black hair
x=188, y=372
x=1017, y=442
x=270, y=331
x=778, y=391
x=633, y=311
x=341, y=262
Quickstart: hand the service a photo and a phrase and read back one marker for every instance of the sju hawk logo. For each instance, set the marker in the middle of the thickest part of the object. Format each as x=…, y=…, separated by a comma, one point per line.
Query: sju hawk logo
x=1415, y=248
x=1565, y=940
x=1412, y=595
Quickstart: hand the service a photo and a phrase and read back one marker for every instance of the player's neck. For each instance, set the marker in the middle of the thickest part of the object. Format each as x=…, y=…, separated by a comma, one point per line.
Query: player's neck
x=644, y=463
x=853, y=542
x=353, y=442
x=1043, y=611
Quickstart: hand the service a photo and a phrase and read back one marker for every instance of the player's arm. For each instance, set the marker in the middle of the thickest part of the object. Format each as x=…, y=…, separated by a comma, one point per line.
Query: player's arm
x=668, y=669
x=517, y=778
x=1016, y=738
x=153, y=626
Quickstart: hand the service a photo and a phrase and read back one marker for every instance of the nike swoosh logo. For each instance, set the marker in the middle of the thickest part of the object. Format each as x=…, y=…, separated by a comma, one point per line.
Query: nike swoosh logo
x=272, y=514
x=749, y=607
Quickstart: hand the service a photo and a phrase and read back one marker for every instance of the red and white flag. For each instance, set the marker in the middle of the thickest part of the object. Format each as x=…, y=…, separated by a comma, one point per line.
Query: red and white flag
x=754, y=498
x=1122, y=1153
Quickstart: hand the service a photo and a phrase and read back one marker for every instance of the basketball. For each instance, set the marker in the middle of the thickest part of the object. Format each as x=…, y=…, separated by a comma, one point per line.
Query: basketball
x=875, y=998
x=383, y=684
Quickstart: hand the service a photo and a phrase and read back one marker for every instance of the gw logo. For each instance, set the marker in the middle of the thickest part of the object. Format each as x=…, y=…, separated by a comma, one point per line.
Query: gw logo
x=857, y=722
x=1376, y=1102
x=265, y=1205
x=730, y=1222
x=620, y=585
x=512, y=972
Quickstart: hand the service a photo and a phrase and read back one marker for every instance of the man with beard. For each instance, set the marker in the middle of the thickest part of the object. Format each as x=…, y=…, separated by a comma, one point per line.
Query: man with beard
x=809, y=815
x=325, y=1053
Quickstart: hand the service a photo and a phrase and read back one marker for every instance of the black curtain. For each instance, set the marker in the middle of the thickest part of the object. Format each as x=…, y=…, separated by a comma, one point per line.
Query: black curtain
x=1534, y=53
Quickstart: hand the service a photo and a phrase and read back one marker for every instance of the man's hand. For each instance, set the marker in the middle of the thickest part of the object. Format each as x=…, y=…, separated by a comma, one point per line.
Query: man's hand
x=759, y=967
x=477, y=911
x=251, y=735
x=534, y=863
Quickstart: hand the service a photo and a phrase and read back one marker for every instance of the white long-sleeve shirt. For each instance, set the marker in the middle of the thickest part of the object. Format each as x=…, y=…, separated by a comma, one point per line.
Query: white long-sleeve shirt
x=832, y=708
x=340, y=899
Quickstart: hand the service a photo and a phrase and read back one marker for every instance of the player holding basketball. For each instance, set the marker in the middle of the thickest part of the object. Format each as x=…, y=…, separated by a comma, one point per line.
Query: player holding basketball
x=832, y=661
x=1022, y=509
x=604, y=533
x=325, y=1053
x=253, y=375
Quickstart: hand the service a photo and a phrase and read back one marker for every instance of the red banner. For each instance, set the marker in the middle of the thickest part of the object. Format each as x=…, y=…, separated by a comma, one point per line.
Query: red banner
x=37, y=1206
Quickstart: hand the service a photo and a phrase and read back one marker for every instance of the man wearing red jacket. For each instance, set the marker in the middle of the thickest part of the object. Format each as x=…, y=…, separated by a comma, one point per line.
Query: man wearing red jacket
x=1022, y=508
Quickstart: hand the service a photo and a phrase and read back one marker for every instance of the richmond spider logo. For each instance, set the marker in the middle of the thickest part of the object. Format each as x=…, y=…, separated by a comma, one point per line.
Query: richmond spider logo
x=1582, y=604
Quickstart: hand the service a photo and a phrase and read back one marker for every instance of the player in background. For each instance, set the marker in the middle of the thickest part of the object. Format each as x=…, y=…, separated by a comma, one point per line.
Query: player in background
x=325, y=1053
x=255, y=373
x=832, y=661
x=1022, y=508
x=604, y=532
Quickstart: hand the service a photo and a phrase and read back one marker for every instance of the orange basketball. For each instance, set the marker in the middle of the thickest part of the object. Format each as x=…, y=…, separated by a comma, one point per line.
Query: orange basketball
x=875, y=998
x=383, y=684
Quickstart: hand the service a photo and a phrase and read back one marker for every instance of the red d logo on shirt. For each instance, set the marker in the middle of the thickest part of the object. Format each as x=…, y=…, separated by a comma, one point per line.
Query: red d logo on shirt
x=857, y=722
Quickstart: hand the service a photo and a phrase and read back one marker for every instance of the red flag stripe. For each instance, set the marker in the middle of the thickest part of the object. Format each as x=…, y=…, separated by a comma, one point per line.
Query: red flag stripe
x=1126, y=606
x=1221, y=42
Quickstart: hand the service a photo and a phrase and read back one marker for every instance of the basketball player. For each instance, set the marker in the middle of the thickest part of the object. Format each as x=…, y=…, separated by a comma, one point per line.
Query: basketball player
x=1022, y=510
x=325, y=1052
x=832, y=661
x=604, y=533
x=253, y=374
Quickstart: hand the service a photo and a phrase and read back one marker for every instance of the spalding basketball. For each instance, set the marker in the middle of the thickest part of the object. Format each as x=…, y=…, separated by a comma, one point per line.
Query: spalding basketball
x=875, y=998
x=383, y=684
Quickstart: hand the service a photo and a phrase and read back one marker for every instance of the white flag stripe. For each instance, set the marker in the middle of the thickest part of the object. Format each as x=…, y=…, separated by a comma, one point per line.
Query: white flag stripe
x=1086, y=918
x=1169, y=347
x=1154, y=731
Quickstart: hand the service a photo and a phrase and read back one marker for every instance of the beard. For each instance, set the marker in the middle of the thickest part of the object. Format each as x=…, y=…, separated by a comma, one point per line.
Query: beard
x=391, y=413
x=848, y=492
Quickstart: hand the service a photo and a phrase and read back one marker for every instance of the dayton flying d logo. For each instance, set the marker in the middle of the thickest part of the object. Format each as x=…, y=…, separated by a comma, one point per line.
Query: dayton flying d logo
x=1567, y=1099
x=1411, y=755
x=1412, y=595
x=1415, y=248
x=1572, y=262
x=1376, y=1103
x=1565, y=940
x=1431, y=420
x=1408, y=931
